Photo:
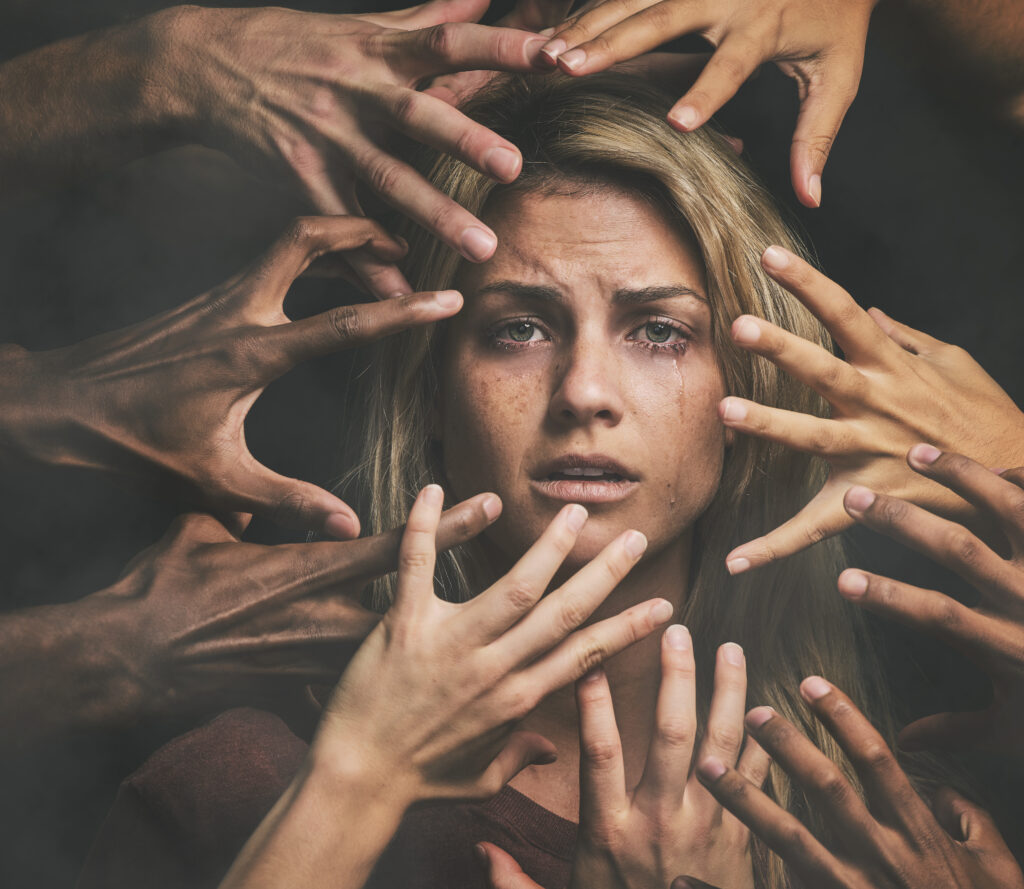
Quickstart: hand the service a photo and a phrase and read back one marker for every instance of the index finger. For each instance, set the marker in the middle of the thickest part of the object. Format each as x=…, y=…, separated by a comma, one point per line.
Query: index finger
x=602, y=772
x=861, y=340
x=460, y=46
x=346, y=327
x=417, y=552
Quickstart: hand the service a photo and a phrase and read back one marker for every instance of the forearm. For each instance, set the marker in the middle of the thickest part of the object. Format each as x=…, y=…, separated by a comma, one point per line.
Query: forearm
x=89, y=103
x=62, y=670
x=327, y=830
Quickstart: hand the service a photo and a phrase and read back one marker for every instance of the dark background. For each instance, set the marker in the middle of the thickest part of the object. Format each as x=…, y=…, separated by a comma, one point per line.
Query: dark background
x=921, y=217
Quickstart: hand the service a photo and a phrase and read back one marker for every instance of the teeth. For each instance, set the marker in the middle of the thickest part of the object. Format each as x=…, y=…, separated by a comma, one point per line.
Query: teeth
x=589, y=471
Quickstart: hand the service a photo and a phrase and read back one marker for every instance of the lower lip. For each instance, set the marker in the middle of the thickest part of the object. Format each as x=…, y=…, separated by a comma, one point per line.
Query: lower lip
x=572, y=491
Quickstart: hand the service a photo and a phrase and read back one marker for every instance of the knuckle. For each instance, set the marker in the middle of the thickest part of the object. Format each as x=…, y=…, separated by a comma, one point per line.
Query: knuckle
x=725, y=737
x=291, y=509
x=520, y=595
x=589, y=655
x=730, y=68
x=571, y=614
x=833, y=786
x=415, y=560
x=677, y=732
x=874, y=755
x=946, y=615
x=964, y=547
x=439, y=41
x=383, y=174
x=601, y=751
x=891, y=511
x=302, y=231
x=405, y=106
x=346, y=322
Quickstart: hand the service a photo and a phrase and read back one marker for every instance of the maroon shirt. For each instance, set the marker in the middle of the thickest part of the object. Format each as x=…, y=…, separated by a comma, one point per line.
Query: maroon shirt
x=181, y=819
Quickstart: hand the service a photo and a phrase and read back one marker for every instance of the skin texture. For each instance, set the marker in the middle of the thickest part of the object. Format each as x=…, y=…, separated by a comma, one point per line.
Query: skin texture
x=427, y=709
x=200, y=622
x=896, y=387
x=668, y=823
x=590, y=381
x=819, y=43
x=309, y=101
x=991, y=633
x=891, y=839
x=163, y=403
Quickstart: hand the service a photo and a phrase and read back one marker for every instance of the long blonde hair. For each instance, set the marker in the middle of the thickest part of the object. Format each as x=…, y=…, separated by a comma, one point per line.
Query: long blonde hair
x=610, y=130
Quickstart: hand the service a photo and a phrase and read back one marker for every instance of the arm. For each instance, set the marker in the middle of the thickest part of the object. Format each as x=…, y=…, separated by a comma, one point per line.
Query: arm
x=163, y=402
x=198, y=623
x=427, y=709
x=309, y=100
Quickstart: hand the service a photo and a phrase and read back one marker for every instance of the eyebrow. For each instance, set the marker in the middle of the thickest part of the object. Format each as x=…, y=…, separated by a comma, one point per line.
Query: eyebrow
x=622, y=296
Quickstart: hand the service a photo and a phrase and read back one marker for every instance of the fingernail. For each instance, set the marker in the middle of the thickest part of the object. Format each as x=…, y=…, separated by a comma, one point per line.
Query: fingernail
x=853, y=584
x=746, y=330
x=734, y=411
x=759, y=716
x=678, y=637
x=502, y=163
x=662, y=611
x=546, y=32
x=775, y=258
x=492, y=507
x=553, y=49
x=576, y=518
x=534, y=48
x=732, y=654
x=814, y=189
x=481, y=856
x=858, y=499
x=573, y=59
x=545, y=759
x=433, y=495
x=925, y=454
x=685, y=117
x=711, y=768
x=737, y=566
x=635, y=544
x=592, y=675
x=341, y=526
x=814, y=687
x=448, y=299
x=478, y=244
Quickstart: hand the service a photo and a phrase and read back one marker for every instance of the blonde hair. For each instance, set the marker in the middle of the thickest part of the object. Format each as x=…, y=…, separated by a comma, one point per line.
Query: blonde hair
x=610, y=130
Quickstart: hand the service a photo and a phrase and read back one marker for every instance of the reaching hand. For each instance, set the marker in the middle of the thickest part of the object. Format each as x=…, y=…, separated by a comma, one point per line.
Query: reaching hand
x=819, y=43
x=429, y=704
x=312, y=99
x=201, y=622
x=891, y=839
x=992, y=632
x=668, y=824
x=165, y=401
x=896, y=387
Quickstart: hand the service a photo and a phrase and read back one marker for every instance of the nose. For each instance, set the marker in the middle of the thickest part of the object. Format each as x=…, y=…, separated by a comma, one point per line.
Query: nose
x=588, y=387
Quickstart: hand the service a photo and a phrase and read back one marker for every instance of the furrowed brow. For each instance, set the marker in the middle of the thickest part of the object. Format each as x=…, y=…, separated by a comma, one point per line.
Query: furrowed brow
x=652, y=294
x=535, y=292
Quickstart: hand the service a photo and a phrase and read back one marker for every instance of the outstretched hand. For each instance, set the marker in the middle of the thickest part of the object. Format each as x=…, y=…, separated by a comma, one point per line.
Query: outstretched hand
x=819, y=44
x=164, y=402
x=313, y=100
x=896, y=387
x=991, y=633
x=891, y=839
x=431, y=700
x=668, y=824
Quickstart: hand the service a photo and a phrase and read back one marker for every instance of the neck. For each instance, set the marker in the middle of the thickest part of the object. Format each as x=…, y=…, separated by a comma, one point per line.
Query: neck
x=634, y=678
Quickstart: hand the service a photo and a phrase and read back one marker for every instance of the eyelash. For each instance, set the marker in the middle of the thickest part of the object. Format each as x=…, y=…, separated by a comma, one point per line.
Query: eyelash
x=508, y=345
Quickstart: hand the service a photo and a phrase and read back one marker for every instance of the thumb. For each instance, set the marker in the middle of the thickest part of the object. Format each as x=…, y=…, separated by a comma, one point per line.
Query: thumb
x=969, y=823
x=822, y=109
x=521, y=750
x=503, y=870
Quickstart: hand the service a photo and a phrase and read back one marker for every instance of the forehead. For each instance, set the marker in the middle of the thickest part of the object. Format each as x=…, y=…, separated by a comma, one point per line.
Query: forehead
x=604, y=238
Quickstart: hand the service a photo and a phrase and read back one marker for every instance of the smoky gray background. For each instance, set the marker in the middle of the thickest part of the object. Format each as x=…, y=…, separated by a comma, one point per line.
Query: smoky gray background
x=921, y=217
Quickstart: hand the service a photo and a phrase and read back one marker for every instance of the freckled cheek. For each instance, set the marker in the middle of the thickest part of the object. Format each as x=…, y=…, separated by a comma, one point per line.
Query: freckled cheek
x=488, y=419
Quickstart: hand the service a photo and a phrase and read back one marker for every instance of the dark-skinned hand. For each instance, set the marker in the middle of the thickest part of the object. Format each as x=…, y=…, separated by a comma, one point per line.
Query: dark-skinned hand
x=891, y=839
x=991, y=633
x=163, y=402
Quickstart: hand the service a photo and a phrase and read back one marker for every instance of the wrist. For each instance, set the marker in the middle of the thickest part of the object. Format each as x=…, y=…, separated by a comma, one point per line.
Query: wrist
x=347, y=768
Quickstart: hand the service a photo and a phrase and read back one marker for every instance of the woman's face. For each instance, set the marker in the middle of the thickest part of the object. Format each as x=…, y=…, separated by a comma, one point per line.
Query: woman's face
x=581, y=370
